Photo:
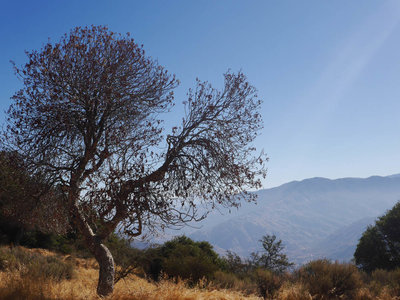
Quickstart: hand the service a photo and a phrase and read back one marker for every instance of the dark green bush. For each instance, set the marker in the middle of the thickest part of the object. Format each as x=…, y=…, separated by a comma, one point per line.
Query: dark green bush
x=378, y=247
x=192, y=268
x=189, y=260
x=181, y=258
x=18, y=236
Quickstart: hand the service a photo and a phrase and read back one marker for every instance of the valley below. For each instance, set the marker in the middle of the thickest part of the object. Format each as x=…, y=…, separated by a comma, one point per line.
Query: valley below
x=314, y=218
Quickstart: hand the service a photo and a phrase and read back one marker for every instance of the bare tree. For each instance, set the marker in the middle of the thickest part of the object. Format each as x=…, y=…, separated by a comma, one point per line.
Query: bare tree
x=88, y=118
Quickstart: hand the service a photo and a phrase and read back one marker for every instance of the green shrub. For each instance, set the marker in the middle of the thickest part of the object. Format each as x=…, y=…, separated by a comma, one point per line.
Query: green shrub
x=326, y=280
x=151, y=263
x=182, y=258
x=192, y=268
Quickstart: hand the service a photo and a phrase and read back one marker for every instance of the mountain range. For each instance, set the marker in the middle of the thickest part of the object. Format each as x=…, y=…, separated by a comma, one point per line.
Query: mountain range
x=314, y=218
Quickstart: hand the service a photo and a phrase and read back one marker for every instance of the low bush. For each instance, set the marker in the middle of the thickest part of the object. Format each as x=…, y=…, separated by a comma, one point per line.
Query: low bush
x=268, y=283
x=326, y=280
x=181, y=258
x=380, y=280
x=225, y=280
x=49, y=267
x=191, y=268
x=228, y=280
x=34, y=265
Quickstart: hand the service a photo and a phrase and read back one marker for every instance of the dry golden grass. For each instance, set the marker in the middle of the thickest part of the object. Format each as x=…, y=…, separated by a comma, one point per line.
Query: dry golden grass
x=83, y=286
x=136, y=288
x=16, y=285
x=293, y=292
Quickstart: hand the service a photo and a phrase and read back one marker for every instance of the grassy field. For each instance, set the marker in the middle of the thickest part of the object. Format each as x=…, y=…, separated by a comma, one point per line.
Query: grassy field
x=17, y=281
x=40, y=274
x=83, y=286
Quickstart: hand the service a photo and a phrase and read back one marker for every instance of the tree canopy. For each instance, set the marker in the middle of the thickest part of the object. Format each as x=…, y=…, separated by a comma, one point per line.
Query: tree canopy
x=379, y=246
x=88, y=120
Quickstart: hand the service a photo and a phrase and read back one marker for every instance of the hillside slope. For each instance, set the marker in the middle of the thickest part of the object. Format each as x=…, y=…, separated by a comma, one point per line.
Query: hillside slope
x=316, y=217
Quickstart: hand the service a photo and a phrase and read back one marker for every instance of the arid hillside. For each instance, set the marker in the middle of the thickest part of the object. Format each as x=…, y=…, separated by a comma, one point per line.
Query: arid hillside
x=32, y=274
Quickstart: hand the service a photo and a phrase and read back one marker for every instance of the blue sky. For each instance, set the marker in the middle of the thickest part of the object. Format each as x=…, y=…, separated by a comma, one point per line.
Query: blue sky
x=328, y=71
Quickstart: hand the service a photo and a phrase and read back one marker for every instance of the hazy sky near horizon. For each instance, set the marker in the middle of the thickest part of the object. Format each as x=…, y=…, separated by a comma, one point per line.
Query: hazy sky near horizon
x=328, y=71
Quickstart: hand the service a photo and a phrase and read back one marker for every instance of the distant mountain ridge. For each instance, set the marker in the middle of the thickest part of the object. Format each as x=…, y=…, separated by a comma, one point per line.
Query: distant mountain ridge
x=316, y=217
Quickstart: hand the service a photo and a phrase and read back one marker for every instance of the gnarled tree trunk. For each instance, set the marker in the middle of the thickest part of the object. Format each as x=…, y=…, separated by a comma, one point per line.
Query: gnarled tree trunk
x=103, y=256
x=105, y=285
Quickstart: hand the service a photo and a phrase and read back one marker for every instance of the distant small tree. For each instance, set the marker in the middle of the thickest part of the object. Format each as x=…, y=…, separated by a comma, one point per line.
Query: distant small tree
x=271, y=257
x=379, y=246
x=88, y=120
x=233, y=263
